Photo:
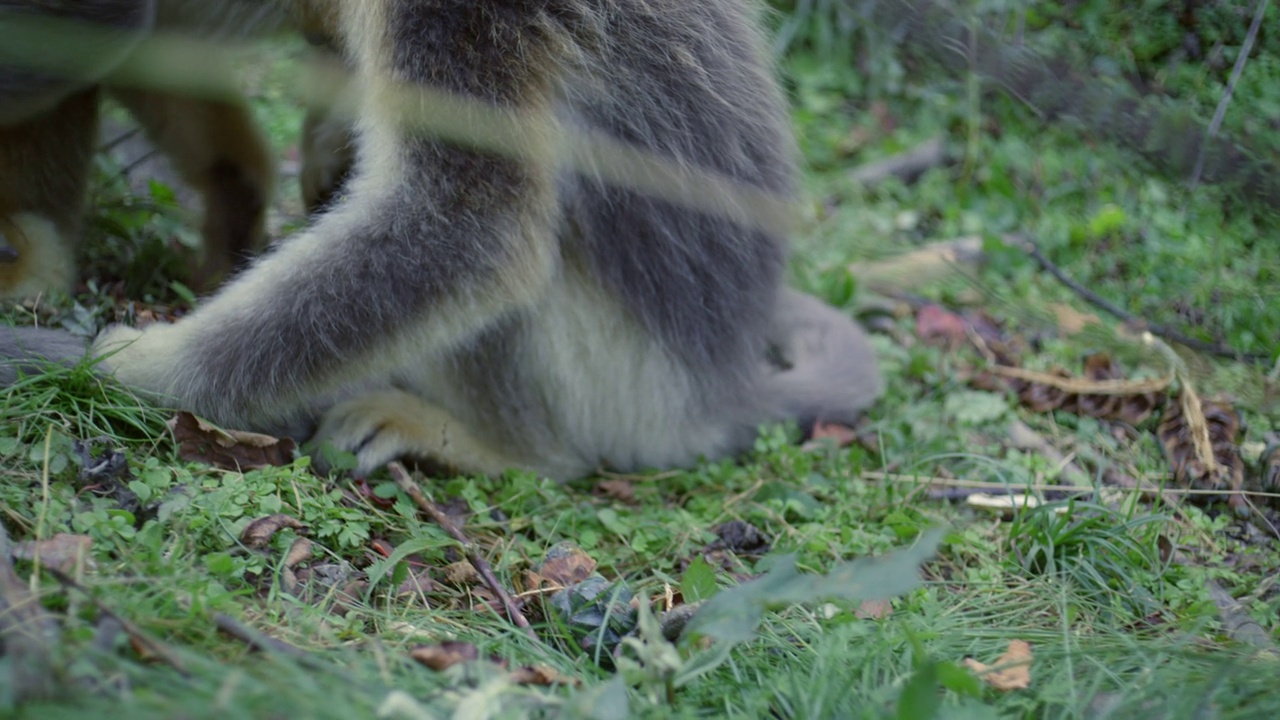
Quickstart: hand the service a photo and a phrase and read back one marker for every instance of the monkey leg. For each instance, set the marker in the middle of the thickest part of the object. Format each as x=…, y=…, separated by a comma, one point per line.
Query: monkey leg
x=218, y=149
x=383, y=426
x=44, y=173
x=434, y=242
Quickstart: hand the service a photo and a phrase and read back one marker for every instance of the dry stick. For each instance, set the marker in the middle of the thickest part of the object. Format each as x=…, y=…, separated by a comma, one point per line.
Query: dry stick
x=1156, y=489
x=140, y=636
x=1221, y=110
x=438, y=516
x=257, y=640
x=1163, y=331
x=906, y=166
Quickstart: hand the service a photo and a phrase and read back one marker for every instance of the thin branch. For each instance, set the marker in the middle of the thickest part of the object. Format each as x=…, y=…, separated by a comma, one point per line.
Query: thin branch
x=1236, y=71
x=907, y=166
x=257, y=640
x=139, y=636
x=439, y=517
x=1168, y=333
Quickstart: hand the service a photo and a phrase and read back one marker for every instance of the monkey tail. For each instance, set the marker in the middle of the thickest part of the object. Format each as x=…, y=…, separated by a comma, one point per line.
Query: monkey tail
x=26, y=349
x=827, y=368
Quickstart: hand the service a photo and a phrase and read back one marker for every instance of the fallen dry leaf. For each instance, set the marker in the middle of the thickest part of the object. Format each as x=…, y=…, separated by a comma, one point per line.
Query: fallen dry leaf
x=874, y=610
x=741, y=537
x=1103, y=392
x=445, y=655
x=259, y=532
x=939, y=326
x=61, y=552
x=1200, y=439
x=541, y=675
x=199, y=441
x=1011, y=672
x=842, y=435
x=565, y=565
x=617, y=489
x=1071, y=321
x=299, y=552
x=461, y=573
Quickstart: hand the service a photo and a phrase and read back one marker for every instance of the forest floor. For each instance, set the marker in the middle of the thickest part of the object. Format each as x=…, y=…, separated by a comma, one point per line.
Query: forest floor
x=1054, y=511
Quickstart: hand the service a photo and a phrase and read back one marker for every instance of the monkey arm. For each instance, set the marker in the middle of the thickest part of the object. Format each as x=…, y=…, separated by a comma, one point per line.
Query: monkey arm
x=433, y=242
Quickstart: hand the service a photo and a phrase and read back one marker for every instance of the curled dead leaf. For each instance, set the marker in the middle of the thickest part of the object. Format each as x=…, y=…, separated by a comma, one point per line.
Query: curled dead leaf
x=841, y=435
x=445, y=655
x=461, y=573
x=565, y=564
x=259, y=532
x=874, y=610
x=199, y=441
x=617, y=489
x=62, y=552
x=938, y=326
x=541, y=675
x=1103, y=392
x=1012, y=671
x=1071, y=321
x=1201, y=443
x=299, y=552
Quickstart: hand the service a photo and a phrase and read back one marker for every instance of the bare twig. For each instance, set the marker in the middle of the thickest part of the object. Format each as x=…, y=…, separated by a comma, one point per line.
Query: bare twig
x=1168, y=333
x=257, y=640
x=1024, y=438
x=906, y=166
x=1159, y=486
x=439, y=517
x=1221, y=111
x=139, y=636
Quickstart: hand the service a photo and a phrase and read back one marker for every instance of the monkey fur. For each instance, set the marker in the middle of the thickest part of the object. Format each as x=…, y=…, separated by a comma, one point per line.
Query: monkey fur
x=49, y=130
x=492, y=311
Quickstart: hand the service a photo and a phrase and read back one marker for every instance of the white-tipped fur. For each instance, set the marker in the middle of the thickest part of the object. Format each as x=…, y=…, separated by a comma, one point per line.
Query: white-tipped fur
x=492, y=309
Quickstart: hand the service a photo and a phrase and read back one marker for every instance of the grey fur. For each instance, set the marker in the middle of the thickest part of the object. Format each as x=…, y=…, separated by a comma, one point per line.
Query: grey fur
x=548, y=319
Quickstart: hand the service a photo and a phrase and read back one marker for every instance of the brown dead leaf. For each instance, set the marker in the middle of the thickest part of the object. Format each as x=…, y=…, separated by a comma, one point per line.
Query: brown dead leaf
x=299, y=552
x=259, y=532
x=199, y=441
x=1201, y=441
x=741, y=537
x=62, y=552
x=938, y=326
x=445, y=655
x=461, y=573
x=1071, y=321
x=566, y=564
x=874, y=610
x=541, y=675
x=1103, y=392
x=1011, y=672
x=841, y=435
x=617, y=489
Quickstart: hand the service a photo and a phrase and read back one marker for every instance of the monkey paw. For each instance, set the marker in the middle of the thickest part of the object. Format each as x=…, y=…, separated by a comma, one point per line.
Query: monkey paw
x=384, y=426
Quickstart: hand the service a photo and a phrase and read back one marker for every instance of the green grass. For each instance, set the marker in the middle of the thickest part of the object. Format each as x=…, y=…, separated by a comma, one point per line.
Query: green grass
x=1110, y=588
